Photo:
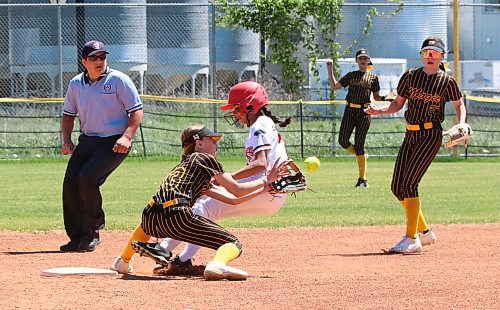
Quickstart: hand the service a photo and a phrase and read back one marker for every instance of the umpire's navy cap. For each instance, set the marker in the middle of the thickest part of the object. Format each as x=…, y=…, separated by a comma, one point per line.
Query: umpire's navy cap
x=362, y=53
x=92, y=47
x=433, y=43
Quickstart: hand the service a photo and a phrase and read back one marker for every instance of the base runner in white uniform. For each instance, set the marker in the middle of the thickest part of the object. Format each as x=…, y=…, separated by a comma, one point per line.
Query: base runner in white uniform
x=248, y=103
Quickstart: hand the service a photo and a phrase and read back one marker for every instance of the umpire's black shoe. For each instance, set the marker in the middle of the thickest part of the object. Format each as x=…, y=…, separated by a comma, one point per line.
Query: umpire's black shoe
x=89, y=243
x=362, y=183
x=71, y=246
x=153, y=251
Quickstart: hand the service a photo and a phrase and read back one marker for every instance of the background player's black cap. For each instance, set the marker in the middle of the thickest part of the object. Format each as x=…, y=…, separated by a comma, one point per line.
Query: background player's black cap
x=433, y=43
x=362, y=52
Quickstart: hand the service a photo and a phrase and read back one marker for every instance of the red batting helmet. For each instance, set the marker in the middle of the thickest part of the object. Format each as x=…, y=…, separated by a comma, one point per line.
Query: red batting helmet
x=250, y=96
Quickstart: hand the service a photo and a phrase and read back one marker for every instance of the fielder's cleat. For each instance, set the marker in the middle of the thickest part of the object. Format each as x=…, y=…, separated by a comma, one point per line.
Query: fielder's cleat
x=362, y=183
x=178, y=268
x=121, y=266
x=428, y=238
x=406, y=245
x=218, y=271
x=153, y=251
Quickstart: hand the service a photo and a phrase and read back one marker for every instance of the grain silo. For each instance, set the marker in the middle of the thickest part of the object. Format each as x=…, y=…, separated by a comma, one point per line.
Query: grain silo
x=5, y=79
x=237, y=54
x=178, y=48
x=398, y=36
x=37, y=50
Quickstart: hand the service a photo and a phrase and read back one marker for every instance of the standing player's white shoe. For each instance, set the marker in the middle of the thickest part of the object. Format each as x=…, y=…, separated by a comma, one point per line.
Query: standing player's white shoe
x=406, y=245
x=428, y=238
x=219, y=271
x=121, y=266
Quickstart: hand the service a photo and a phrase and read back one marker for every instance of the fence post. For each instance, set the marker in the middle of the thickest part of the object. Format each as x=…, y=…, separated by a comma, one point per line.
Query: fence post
x=465, y=104
x=301, y=115
x=142, y=139
x=59, y=43
x=213, y=71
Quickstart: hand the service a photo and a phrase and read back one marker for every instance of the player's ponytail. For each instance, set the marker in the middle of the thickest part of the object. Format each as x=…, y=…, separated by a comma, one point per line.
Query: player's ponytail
x=188, y=147
x=282, y=122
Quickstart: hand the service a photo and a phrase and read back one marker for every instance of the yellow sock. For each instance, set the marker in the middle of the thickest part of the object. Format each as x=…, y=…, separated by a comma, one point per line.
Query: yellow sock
x=412, y=212
x=422, y=223
x=362, y=165
x=351, y=150
x=226, y=253
x=138, y=235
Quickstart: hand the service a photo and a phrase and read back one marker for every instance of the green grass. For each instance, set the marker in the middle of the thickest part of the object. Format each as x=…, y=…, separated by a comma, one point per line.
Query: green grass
x=452, y=191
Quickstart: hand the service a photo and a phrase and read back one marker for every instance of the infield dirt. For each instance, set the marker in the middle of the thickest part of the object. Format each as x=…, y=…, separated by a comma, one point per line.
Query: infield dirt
x=303, y=268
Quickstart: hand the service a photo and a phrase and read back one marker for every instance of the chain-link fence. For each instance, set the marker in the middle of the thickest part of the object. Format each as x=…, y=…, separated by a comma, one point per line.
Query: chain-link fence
x=180, y=50
x=31, y=129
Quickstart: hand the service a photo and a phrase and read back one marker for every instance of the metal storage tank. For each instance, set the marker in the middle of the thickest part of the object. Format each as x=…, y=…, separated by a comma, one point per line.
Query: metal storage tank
x=398, y=36
x=34, y=40
x=122, y=29
x=5, y=78
x=237, y=54
x=32, y=48
x=178, y=48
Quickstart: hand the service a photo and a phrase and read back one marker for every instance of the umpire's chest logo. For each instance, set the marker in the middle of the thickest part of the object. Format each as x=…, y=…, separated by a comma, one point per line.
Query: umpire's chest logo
x=107, y=87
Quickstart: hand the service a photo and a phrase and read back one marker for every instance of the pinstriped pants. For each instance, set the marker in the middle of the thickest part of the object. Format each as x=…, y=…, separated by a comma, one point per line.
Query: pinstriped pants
x=354, y=118
x=414, y=158
x=180, y=223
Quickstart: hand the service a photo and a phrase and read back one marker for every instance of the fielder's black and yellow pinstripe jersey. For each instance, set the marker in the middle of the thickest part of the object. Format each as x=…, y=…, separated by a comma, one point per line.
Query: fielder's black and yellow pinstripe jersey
x=189, y=179
x=427, y=94
x=361, y=85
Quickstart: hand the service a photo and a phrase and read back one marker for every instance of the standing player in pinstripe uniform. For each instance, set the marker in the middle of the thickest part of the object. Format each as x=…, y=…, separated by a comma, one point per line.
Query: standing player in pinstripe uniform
x=361, y=84
x=426, y=89
x=169, y=213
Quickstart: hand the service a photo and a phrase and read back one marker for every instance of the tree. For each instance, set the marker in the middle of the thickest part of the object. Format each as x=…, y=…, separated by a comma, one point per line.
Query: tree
x=287, y=24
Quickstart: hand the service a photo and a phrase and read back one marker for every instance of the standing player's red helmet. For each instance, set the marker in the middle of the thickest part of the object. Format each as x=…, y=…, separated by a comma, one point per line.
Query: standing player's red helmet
x=250, y=96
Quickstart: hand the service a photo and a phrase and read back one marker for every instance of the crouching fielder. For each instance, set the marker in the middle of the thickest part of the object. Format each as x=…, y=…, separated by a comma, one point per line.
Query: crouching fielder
x=169, y=214
x=247, y=104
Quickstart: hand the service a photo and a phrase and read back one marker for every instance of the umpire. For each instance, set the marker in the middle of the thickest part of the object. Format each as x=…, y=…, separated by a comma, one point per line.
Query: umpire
x=110, y=111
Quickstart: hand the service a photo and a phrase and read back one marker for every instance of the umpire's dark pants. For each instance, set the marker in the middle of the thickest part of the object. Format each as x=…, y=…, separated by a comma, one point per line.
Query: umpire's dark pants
x=92, y=162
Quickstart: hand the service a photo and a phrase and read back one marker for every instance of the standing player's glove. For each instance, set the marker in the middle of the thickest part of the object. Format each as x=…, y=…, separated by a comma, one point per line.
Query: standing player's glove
x=457, y=134
x=294, y=182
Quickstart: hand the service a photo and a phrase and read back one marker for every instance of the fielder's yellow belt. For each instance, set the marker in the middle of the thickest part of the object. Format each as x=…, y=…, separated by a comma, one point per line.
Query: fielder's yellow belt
x=169, y=203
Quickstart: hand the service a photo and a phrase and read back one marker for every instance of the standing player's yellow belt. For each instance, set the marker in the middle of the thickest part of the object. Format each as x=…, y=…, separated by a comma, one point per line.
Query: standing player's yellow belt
x=357, y=105
x=417, y=127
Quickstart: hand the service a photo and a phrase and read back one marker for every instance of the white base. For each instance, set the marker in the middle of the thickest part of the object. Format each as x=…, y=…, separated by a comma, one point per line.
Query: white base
x=78, y=271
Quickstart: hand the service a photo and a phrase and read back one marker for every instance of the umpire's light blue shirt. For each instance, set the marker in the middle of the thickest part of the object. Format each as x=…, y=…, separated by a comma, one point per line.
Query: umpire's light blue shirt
x=103, y=106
